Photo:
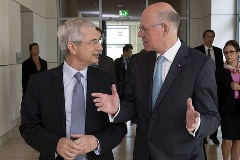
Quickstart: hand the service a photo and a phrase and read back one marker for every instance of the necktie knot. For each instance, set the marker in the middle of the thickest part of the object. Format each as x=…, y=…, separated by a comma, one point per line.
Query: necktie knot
x=160, y=60
x=78, y=76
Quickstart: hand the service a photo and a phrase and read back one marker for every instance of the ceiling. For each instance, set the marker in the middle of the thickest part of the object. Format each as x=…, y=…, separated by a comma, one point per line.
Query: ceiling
x=110, y=8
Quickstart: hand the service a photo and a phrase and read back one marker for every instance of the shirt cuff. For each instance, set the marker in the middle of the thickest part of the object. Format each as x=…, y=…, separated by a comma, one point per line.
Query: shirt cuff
x=111, y=117
x=193, y=133
x=98, y=149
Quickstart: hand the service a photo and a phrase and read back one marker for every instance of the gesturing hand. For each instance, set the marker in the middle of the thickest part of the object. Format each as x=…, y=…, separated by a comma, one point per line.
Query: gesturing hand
x=107, y=103
x=192, y=116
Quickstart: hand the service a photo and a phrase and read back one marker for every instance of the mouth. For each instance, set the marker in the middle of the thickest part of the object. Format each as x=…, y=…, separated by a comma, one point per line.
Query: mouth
x=96, y=54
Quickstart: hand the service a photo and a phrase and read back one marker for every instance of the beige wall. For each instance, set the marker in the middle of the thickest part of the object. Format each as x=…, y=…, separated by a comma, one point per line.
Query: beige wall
x=217, y=15
x=41, y=16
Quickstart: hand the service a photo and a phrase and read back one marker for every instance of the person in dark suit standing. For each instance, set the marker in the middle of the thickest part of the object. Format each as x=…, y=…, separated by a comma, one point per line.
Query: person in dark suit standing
x=106, y=63
x=216, y=54
x=212, y=51
x=185, y=110
x=121, y=66
x=32, y=65
x=228, y=84
x=46, y=112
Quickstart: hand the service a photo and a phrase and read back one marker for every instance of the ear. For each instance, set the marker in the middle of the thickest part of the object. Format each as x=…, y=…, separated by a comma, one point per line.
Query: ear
x=166, y=29
x=71, y=47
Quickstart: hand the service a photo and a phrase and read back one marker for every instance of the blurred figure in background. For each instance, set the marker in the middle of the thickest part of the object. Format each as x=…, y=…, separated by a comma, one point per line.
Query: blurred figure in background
x=228, y=79
x=32, y=65
x=121, y=65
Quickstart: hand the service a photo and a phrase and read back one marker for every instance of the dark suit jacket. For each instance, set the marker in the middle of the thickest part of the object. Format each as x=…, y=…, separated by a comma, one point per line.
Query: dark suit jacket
x=120, y=75
x=29, y=68
x=226, y=100
x=217, y=52
x=43, y=119
x=161, y=133
x=106, y=63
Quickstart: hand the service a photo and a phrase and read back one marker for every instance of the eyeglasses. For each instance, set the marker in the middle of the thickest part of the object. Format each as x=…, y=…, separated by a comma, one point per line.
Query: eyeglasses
x=142, y=29
x=229, y=52
x=92, y=42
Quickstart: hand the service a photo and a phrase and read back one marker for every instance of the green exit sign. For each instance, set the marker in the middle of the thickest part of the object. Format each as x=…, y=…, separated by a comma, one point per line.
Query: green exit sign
x=123, y=13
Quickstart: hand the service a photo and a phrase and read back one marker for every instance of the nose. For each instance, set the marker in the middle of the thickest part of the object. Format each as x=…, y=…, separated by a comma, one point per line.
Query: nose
x=99, y=47
x=140, y=33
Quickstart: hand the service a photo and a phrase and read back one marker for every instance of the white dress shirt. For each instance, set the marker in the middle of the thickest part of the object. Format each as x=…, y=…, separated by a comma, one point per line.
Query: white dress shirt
x=211, y=52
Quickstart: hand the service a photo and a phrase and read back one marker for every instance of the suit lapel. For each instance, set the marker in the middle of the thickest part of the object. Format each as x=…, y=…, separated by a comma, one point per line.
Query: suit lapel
x=58, y=89
x=173, y=72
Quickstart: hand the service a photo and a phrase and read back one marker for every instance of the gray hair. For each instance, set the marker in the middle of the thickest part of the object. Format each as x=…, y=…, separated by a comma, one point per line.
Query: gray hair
x=70, y=31
x=170, y=16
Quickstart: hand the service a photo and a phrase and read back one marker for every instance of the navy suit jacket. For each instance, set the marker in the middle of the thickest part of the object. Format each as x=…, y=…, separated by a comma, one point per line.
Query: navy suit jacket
x=161, y=133
x=120, y=75
x=217, y=52
x=43, y=118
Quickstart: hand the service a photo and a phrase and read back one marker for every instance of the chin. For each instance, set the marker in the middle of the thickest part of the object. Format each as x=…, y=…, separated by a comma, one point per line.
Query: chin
x=96, y=61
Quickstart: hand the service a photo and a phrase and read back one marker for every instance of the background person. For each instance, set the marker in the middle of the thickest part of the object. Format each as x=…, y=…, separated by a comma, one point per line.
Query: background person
x=215, y=52
x=228, y=80
x=32, y=65
x=121, y=66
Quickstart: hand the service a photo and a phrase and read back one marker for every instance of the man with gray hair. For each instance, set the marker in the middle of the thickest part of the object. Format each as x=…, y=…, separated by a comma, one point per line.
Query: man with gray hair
x=58, y=116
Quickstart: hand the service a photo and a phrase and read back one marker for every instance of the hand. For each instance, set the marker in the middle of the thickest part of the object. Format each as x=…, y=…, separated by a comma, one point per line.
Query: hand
x=235, y=86
x=107, y=103
x=67, y=149
x=86, y=143
x=192, y=116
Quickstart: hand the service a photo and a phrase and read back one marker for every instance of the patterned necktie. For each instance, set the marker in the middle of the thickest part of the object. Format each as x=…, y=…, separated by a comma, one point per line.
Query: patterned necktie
x=78, y=110
x=157, y=80
x=208, y=52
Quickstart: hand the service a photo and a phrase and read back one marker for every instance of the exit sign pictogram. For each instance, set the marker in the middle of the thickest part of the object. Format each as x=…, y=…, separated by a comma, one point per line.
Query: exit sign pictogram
x=123, y=13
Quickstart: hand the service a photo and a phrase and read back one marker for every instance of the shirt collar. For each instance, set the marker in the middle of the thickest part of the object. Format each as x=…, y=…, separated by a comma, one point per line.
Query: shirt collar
x=70, y=72
x=171, y=52
x=206, y=48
